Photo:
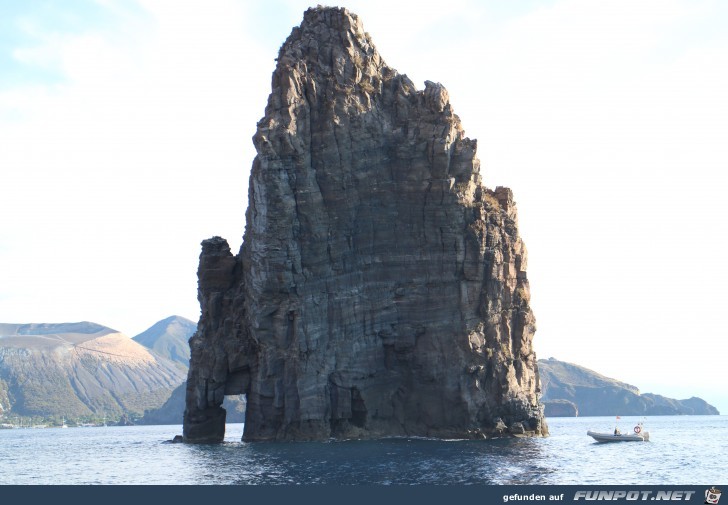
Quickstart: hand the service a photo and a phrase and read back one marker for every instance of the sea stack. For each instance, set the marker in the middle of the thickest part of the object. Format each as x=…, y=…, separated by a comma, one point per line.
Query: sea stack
x=381, y=288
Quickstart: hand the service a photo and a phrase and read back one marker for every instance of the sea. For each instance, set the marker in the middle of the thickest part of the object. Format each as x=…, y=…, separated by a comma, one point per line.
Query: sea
x=690, y=450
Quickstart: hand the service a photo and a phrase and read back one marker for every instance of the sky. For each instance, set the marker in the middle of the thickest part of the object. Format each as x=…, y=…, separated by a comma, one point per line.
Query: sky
x=125, y=140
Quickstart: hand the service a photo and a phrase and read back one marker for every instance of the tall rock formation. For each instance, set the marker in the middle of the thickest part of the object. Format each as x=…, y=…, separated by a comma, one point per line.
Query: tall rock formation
x=380, y=289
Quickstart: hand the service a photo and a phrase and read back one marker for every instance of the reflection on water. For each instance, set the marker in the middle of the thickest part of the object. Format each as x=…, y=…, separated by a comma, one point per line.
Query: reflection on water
x=396, y=461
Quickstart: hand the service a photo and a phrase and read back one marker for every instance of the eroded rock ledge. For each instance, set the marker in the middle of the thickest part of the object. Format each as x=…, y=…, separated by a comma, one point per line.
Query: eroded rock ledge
x=381, y=288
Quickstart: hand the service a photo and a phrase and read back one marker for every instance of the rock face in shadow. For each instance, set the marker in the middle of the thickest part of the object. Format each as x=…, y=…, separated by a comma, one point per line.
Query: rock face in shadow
x=381, y=288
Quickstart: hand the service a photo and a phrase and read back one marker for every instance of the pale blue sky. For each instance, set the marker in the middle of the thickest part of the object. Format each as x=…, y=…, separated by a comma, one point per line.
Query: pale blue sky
x=125, y=134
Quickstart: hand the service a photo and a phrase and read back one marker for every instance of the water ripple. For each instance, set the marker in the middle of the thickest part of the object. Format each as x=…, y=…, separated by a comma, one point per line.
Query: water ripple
x=683, y=450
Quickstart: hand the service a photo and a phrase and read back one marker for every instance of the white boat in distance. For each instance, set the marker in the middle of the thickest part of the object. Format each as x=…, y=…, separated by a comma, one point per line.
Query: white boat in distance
x=639, y=435
x=610, y=437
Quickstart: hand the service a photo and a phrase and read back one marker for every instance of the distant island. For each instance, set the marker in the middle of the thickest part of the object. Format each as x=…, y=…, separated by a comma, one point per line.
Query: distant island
x=570, y=390
x=84, y=373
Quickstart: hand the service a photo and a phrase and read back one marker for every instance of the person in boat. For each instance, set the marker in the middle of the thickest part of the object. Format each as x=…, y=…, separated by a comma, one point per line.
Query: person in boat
x=617, y=432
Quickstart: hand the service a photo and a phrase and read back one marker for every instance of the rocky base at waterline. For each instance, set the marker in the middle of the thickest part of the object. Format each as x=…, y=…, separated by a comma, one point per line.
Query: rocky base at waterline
x=571, y=390
x=381, y=288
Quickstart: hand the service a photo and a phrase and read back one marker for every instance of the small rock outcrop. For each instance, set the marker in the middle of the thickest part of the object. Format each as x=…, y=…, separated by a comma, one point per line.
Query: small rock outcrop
x=381, y=288
x=560, y=408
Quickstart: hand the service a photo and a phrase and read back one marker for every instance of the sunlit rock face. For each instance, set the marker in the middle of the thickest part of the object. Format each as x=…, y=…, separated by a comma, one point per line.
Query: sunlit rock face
x=381, y=289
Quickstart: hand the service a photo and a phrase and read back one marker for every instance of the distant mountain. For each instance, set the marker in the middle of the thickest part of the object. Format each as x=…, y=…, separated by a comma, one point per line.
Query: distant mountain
x=173, y=409
x=569, y=390
x=169, y=338
x=80, y=370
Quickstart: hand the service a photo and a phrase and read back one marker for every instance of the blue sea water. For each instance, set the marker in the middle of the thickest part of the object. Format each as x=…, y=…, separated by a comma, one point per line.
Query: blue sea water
x=689, y=450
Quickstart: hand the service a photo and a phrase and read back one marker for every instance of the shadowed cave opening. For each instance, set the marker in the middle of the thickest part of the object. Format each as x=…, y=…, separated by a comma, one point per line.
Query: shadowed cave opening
x=358, y=408
x=347, y=408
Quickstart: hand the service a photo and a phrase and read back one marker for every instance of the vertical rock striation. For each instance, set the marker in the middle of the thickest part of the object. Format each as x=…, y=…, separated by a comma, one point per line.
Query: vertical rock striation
x=381, y=289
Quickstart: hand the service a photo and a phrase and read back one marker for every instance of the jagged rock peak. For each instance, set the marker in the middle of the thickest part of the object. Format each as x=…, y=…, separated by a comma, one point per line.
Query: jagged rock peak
x=380, y=289
x=324, y=29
